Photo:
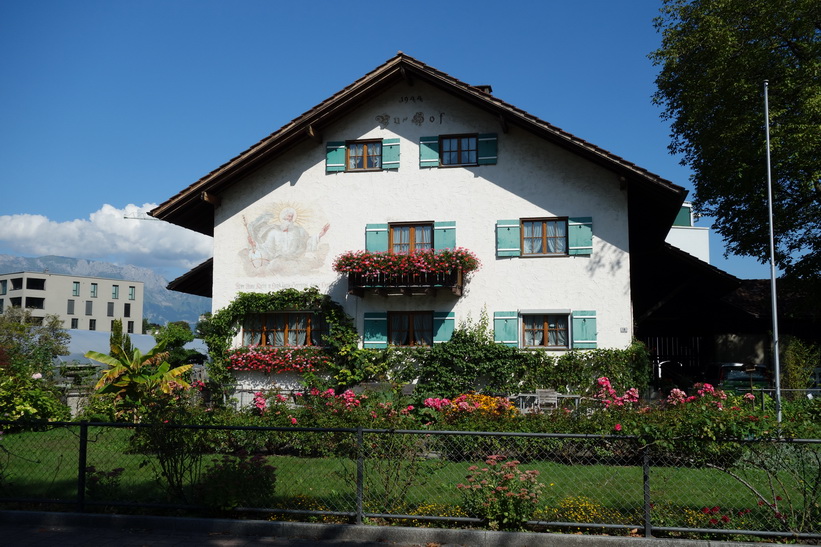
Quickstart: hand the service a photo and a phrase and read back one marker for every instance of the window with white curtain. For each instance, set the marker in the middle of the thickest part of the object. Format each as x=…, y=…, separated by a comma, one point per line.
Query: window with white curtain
x=544, y=236
x=545, y=330
x=406, y=238
x=364, y=156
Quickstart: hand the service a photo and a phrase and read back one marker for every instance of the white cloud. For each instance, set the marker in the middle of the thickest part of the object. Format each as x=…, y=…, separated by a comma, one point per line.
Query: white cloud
x=110, y=235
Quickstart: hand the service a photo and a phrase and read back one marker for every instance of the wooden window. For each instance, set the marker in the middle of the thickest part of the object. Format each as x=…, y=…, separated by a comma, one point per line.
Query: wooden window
x=544, y=236
x=545, y=330
x=459, y=150
x=410, y=328
x=406, y=238
x=284, y=329
x=364, y=156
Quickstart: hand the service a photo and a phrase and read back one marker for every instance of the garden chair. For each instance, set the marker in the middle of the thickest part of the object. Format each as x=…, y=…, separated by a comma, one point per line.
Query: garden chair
x=547, y=399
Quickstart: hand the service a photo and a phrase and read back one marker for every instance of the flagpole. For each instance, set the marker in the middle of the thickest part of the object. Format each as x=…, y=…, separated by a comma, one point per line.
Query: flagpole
x=775, y=349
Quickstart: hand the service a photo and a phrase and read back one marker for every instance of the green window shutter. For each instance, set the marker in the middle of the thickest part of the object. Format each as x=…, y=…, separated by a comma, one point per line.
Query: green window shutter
x=508, y=238
x=376, y=238
x=506, y=328
x=335, y=157
x=390, y=153
x=376, y=330
x=444, y=323
x=444, y=235
x=580, y=235
x=487, y=148
x=429, y=151
x=584, y=329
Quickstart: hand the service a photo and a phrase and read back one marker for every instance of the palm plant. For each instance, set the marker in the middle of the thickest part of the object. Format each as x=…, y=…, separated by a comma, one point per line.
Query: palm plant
x=135, y=377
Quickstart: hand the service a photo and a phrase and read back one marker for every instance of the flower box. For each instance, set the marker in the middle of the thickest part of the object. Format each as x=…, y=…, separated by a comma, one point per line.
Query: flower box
x=419, y=271
x=277, y=359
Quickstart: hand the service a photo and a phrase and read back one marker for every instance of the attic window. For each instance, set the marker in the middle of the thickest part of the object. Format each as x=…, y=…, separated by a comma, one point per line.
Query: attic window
x=364, y=156
x=458, y=150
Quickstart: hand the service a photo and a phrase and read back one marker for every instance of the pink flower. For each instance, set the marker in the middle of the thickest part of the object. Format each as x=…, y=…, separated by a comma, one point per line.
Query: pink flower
x=617, y=427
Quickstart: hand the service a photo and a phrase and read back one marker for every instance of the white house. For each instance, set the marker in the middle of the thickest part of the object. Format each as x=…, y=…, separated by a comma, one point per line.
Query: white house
x=410, y=158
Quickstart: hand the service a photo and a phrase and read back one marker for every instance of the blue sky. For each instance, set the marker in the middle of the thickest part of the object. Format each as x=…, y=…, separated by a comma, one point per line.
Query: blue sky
x=108, y=108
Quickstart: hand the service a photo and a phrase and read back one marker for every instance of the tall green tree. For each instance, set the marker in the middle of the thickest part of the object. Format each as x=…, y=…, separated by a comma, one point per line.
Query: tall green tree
x=714, y=58
x=119, y=338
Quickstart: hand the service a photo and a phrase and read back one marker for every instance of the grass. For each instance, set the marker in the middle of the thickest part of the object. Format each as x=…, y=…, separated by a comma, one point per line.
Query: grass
x=43, y=465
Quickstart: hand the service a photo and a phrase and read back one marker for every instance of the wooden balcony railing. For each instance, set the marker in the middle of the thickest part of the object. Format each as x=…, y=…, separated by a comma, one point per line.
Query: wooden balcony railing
x=383, y=284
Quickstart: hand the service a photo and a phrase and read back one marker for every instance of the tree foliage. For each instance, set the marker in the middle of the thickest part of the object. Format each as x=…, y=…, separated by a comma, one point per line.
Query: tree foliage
x=715, y=56
x=175, y=336
x=29, y=346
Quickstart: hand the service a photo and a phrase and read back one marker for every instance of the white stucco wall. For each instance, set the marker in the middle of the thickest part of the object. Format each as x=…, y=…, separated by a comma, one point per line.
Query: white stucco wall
x=694, y=240
x=531, y=179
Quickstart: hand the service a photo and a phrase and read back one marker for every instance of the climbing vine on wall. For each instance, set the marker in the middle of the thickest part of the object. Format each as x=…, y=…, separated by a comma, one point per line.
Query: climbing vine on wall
x=341, y=343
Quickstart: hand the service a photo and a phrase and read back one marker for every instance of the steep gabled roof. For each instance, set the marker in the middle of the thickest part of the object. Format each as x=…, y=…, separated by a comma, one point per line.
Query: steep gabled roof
x=653, y=201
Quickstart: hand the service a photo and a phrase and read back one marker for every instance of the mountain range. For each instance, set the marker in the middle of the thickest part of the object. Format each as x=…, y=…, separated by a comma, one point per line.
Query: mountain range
x=161, y=305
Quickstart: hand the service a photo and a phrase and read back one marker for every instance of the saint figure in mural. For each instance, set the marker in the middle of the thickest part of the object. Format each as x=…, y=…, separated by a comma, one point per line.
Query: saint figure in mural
x=278, y=242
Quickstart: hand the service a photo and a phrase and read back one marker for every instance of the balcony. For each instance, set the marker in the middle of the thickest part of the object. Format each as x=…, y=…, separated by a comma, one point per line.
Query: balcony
x=387, y=284
x=420, y=272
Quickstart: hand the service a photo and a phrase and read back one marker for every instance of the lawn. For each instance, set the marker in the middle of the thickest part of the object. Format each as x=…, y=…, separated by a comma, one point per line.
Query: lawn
x=44, y=466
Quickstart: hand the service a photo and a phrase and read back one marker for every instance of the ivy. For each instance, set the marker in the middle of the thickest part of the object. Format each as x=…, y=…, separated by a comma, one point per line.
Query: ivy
x=341, y=343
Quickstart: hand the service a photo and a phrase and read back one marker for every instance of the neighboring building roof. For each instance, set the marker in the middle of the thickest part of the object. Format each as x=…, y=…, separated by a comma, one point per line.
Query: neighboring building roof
x=653, y=201
x=46, y=272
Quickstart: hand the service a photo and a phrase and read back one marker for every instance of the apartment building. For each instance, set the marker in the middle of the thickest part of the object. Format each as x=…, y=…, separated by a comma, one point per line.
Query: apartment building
x=83, y=303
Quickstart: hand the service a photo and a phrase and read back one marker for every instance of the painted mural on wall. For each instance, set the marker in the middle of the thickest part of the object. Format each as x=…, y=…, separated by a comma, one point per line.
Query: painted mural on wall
x=285, y=239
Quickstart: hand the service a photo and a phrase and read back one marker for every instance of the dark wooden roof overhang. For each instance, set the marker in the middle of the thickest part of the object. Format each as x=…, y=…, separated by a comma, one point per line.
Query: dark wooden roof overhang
x=198, y=281
x=675, y=292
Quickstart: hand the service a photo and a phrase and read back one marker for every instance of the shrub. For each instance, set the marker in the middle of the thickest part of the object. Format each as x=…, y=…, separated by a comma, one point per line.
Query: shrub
x=501, y=493
x=30, y=398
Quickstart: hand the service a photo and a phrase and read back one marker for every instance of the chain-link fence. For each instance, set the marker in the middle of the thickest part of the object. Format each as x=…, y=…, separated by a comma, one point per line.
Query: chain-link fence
x=434, y=478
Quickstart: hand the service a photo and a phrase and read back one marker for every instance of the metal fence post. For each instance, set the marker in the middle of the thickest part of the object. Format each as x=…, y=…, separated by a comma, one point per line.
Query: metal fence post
x=648, y=526
x=360, y=474
x=82, y=462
